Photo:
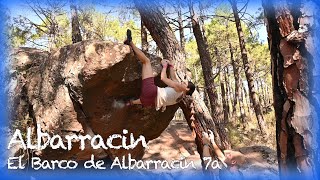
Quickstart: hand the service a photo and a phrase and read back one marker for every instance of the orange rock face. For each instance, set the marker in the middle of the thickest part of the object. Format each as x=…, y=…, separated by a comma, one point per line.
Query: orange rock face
x=81, y=89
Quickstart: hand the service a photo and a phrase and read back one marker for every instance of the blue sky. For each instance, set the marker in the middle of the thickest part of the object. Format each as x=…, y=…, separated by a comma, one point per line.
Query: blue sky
x=16, y=8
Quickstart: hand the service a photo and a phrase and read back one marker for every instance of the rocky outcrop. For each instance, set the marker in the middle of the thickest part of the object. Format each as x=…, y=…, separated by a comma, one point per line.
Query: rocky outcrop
x=80, y=89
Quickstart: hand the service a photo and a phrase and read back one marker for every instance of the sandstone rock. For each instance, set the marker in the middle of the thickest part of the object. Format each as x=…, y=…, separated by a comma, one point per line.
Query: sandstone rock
x=261, y=163
x=80, y=89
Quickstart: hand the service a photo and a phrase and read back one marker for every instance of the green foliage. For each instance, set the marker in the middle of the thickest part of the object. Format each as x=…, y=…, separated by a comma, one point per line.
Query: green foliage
x=64, y=31
x=96, y=25
x=19, y=36
x=259, y=55
x=53, y=32
x=56, y=31
x=219, y=31
x=193, y=62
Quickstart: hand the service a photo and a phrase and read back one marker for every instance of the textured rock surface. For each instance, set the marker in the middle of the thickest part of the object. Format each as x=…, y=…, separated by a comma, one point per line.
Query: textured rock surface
x=80, y=89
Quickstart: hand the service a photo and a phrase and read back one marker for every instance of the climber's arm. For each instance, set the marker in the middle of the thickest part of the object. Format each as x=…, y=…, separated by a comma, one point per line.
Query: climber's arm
x=173, y=73
x=218, y=151
x=172, y=70
x=209, y=139
x=206, y=154
x=175, y=85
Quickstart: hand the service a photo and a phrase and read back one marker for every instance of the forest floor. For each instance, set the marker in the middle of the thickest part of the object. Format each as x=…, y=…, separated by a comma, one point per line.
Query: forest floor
x=177, y=143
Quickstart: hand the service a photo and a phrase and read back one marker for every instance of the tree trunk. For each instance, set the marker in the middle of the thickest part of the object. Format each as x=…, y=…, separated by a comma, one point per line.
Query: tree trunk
x=262, y=94
x=291, y=46
x=236, y=74
x=181, y=30
x=228, y=90
x=241, y=104
x=248, y=73
x=247, y=99
x=223, y=92
x=206, y=64
x=268, y=95
x=144, y=38
x=259, y=93
x=76, y=34
x=195, y=111
x=206, y=100
x=263, y=99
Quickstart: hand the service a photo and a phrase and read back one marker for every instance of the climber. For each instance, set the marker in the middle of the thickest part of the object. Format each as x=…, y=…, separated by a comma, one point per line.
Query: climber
x=231, y=160
x=151, y=95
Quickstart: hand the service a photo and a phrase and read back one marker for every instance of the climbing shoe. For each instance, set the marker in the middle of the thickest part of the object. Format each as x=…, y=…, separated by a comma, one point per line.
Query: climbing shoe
x=129, y=37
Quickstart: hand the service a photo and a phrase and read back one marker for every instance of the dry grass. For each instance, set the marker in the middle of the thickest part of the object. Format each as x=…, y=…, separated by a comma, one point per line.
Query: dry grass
x=248, y=134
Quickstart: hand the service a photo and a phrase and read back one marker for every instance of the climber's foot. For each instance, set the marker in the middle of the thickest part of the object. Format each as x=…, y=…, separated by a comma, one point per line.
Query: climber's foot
x=129, y=38
x=129, y=103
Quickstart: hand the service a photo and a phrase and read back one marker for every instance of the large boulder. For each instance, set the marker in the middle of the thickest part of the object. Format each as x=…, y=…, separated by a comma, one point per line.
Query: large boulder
x=80, y=89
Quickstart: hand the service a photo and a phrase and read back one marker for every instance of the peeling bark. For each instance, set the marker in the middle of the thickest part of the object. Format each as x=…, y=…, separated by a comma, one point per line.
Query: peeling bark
x=289, y=28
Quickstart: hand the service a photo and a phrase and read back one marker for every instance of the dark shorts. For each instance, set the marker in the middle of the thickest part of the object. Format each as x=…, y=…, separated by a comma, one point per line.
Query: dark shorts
x=148, y=92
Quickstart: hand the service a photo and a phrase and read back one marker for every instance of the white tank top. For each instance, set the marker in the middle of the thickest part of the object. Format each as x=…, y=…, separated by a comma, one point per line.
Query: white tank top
x=166, y=97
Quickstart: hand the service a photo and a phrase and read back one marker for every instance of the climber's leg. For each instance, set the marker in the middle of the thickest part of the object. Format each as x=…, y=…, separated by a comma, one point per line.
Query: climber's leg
x=136, y=101
x=148, y=88
x=146, y=65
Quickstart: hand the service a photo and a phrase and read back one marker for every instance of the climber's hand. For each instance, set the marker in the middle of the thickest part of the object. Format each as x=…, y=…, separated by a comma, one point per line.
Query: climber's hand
x=211, y=136
x=205, y=138
x=169, y=62
x=164, y=62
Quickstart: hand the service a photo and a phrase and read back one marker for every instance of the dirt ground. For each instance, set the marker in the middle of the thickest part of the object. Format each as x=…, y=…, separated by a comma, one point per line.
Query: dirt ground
x=177, y=143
